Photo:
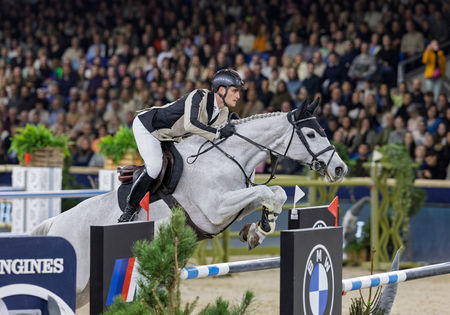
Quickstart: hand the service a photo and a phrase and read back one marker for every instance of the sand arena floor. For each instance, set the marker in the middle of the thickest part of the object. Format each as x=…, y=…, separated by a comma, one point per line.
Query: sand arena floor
x=428, y=296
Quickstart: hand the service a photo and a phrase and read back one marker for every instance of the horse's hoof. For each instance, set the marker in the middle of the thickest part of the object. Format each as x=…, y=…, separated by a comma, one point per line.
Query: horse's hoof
x=254, y=237
x=243, y=233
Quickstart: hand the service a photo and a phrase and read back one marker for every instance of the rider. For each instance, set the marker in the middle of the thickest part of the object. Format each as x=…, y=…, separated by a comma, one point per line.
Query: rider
x=198, y=112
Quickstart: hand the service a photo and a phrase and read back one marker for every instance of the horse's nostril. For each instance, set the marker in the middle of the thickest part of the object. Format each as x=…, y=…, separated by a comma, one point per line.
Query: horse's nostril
x=339, y=171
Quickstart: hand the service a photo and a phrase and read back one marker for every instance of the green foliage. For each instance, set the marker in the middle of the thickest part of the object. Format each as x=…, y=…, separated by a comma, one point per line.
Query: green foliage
x=116, y=147
x=406, y=198
x=359, y=308
x=159, y=265
x=418, y=199
x=341, y=149
x=221, y=306
x=37, y=137
x=403, y=172
x=372, y=306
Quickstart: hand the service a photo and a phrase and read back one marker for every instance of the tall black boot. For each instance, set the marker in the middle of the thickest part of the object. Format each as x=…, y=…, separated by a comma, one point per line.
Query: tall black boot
x=138, y=190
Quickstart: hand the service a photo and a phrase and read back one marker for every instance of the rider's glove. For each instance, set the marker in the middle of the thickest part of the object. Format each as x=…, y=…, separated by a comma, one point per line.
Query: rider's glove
x=227, y=131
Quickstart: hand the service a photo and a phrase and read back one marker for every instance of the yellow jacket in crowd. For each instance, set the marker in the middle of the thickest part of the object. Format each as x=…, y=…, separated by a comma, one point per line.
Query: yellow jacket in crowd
x=429, y=59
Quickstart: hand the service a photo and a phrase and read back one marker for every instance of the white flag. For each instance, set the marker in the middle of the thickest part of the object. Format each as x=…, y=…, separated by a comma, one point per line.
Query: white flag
x=376, y=156
x=299, y=194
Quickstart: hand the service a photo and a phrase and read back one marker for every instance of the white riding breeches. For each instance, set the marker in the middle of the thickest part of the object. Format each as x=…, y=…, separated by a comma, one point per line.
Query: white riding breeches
x=149, y=148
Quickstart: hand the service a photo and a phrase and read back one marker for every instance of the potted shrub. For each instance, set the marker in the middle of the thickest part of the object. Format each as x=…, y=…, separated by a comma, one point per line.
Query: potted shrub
x=120, y=149
x=37, y=146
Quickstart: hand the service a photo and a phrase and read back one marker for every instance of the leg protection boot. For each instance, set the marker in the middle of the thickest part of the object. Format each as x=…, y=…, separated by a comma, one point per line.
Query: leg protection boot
x=138, y=190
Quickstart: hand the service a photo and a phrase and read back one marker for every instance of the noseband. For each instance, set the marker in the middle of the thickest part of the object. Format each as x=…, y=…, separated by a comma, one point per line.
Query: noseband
x=315, y=164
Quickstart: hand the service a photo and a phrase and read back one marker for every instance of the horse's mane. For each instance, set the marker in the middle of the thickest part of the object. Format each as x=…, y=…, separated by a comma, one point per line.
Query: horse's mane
x=256, y=116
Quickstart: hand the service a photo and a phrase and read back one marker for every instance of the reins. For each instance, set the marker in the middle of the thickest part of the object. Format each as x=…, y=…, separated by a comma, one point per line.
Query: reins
x=315, y=164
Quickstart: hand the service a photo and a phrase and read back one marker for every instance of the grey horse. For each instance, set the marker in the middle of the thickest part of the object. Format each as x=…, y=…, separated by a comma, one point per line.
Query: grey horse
x=215, y=191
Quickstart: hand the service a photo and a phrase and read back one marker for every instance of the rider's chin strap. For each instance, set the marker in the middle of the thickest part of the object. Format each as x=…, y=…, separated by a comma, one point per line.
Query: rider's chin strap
x=223, y=96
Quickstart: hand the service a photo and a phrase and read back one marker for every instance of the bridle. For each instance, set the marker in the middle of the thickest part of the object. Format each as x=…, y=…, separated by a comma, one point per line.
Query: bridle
x=297, y=125
x=315, y=164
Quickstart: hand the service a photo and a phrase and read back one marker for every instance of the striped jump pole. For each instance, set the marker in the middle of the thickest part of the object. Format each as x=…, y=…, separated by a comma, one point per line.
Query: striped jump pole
x=395, y=277
x=231, y=267
x=68, y=193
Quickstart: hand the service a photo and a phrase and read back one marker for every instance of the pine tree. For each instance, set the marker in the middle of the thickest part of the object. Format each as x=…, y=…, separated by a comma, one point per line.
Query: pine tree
x=160, y=262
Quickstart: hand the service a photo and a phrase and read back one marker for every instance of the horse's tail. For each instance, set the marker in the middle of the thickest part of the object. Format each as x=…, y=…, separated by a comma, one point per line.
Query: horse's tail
x=43, y=228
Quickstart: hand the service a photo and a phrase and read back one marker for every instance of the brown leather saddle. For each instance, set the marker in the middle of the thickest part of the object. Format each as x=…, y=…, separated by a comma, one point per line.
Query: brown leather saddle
x=164, y=185
x=131, y=172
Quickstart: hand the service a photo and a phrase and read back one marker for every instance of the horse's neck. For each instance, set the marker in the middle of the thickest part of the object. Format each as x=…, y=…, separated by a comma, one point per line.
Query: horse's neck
x=270, y=132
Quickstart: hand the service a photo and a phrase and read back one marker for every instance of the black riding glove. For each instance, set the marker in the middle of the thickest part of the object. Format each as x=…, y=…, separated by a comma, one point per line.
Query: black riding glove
x=227, y=130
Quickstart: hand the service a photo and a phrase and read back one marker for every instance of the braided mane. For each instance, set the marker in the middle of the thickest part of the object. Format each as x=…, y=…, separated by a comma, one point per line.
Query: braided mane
x=254, y=117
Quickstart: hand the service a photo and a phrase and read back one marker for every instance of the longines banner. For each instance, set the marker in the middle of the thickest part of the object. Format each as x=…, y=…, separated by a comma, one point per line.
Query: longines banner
x=37, y=275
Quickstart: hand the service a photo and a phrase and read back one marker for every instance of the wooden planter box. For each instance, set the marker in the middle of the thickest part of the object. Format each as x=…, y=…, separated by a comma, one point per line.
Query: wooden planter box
x=128, y=159
x=47, y=157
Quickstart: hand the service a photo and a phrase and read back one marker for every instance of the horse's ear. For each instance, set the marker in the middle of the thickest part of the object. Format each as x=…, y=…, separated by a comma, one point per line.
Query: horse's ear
x=312, y=107
x=298, y=113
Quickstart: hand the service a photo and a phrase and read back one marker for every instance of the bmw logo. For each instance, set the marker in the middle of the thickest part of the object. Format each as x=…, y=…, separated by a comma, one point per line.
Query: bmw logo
x=318, y=285
x=319, y=224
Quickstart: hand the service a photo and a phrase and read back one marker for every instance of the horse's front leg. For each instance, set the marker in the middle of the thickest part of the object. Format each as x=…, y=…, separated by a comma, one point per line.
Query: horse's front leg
x=271, y=198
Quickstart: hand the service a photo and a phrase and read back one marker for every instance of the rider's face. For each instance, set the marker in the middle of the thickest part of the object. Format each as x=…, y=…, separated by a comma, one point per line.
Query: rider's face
x=233, y=96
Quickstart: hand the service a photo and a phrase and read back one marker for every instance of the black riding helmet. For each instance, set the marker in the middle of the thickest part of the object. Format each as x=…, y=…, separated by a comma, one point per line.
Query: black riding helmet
x=226, y=78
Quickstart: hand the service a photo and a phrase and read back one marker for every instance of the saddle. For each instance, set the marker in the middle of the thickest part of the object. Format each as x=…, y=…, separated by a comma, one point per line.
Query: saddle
x=163, y=186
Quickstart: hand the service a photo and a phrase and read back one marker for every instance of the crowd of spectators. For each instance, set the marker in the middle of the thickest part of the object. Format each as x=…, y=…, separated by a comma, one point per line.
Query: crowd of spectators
x=83, y=68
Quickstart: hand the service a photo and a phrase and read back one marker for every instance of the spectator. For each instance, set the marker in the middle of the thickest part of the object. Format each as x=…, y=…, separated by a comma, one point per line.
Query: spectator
x=387, y=60
x=282, y=94
x=410, y=144
x=435, y=65
x=412, y=41
x=348, y=133
x=294, y=46
x=420, y=134
x=84, y=153
x=266, y=95
x=252, y=106
x=446, y=118
x=443, y=102
x=365, y=134
x=363, y=66
x=388, y=127
x=396, y=135
x=362, y=157
x=293, y=84
x=260, y=42
x=417, y=94
x=312, y=81
x=246, y=39
x=319, y=64
x=432, y=168
x=311, y=48
x=334, y=72
x=39, y=115
x=414, y=117
x=438, y=27
x=419, y=159
x=432, y=119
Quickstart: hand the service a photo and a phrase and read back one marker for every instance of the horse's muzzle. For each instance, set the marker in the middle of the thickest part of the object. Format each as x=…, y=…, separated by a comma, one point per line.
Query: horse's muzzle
x=339, y=172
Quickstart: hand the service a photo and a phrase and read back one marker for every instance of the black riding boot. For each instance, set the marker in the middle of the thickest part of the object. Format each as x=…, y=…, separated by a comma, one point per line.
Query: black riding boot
x=138, y=190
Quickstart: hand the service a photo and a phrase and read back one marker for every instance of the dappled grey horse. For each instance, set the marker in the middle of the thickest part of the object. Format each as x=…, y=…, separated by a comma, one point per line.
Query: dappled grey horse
x=217, y=188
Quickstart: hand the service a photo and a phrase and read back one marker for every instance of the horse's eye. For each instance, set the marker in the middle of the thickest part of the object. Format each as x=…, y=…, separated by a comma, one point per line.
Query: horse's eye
x=311, y=134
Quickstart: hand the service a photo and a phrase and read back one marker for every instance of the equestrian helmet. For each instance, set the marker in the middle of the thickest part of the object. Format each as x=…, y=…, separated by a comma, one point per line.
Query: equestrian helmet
x=226, y=78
